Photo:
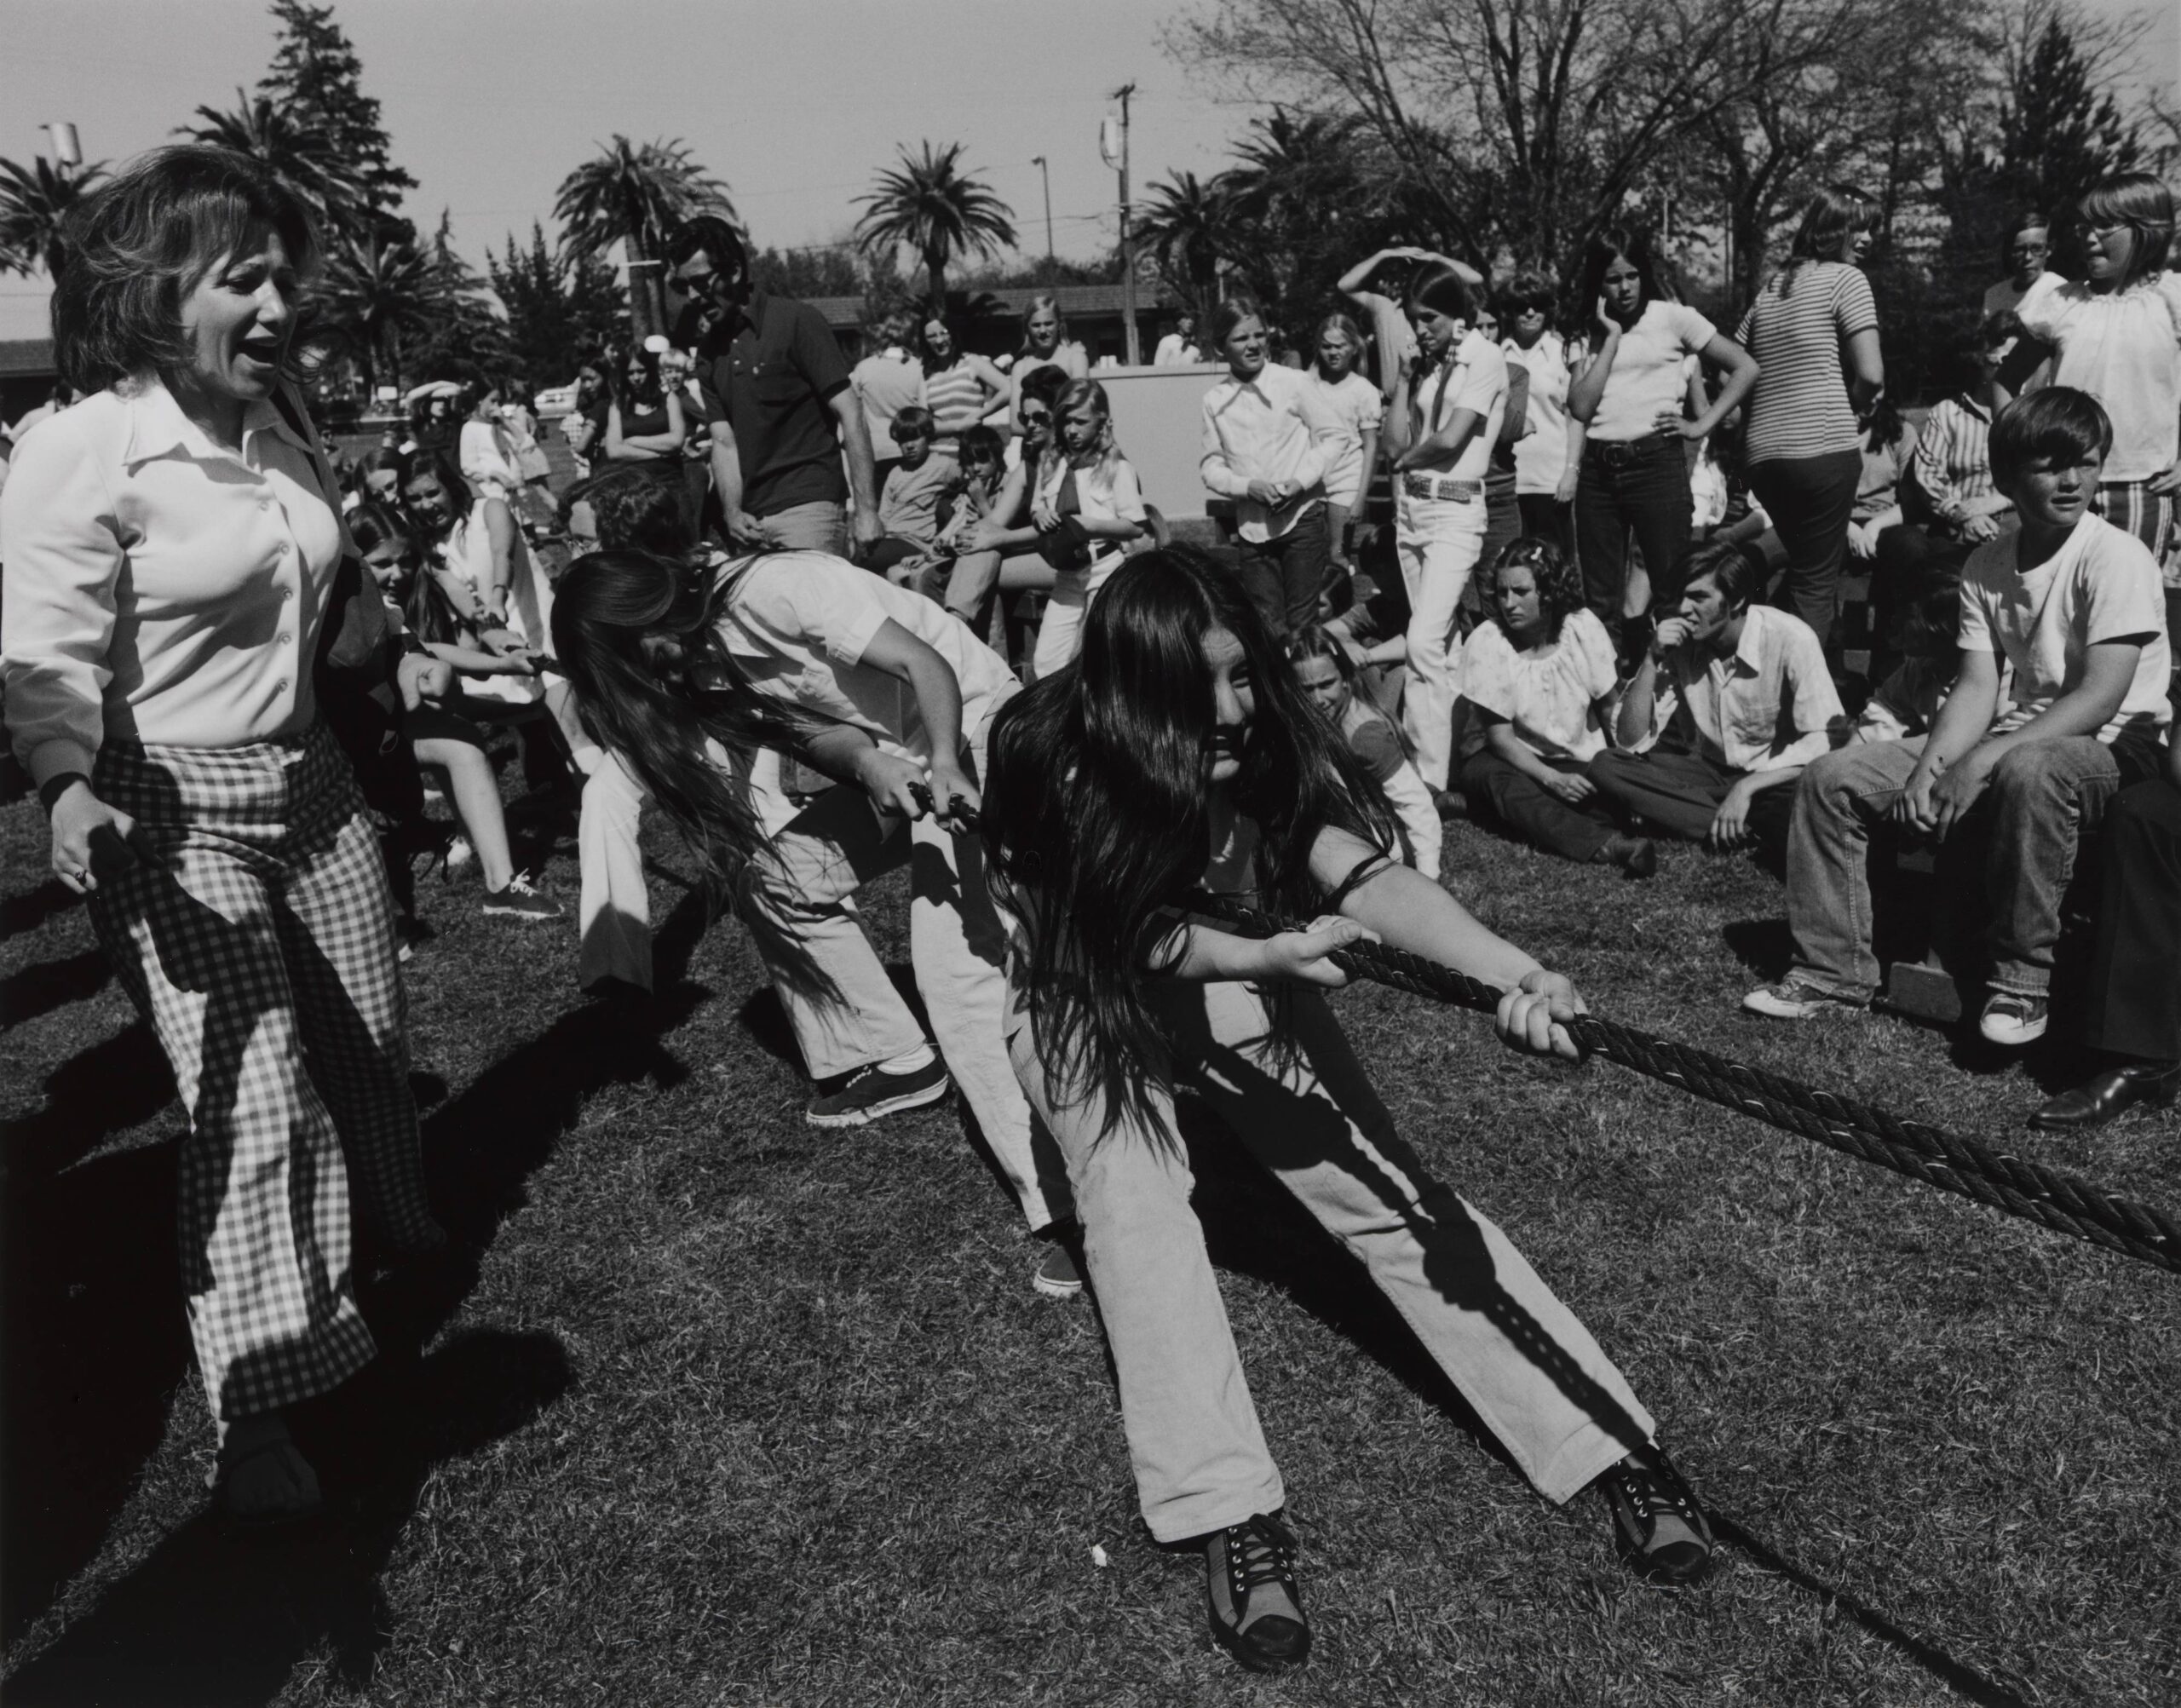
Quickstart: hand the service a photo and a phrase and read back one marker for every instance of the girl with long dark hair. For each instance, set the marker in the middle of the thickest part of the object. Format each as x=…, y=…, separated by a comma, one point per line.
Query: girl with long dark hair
x=695, y=679
x=1445, y=417
x=646, y=422
x=1178, y=752
x=1629, y=397
x=1813, y=331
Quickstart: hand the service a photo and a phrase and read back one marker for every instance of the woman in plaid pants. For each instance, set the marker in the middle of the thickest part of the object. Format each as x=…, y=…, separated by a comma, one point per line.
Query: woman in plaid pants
x=171, y=557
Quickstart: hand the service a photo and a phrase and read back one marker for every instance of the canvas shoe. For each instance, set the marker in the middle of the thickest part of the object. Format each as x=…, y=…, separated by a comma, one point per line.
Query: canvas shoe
x=871, y=1092
x=1250, y=1597
x=1793, y=999
x=520, y=899
x=2012, y=1020
x=1662, y=1531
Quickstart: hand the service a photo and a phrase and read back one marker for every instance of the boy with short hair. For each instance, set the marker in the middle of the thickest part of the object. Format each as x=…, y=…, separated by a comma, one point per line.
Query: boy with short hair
x=908, y=509
x=2074, y=605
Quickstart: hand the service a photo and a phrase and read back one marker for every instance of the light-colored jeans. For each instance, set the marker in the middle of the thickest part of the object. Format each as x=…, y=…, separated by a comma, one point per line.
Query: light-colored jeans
x=1059, y=631
x=1529, y=1370
x=817, y=526
x=2042, y=796
x=843, y=1009
x=1439, y=540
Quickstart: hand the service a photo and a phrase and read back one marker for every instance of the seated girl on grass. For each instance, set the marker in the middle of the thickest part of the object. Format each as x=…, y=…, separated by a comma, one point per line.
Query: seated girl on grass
x=1326, y=675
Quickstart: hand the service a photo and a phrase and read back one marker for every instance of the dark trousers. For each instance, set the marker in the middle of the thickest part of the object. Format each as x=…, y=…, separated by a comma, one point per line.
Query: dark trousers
x=1545, y=518
x=2134, y=1006
x=1503, y=526
x=1810, y=500
x=1282, y=575
x=1679, y=792
x=1495, y=789
x=1639, y=484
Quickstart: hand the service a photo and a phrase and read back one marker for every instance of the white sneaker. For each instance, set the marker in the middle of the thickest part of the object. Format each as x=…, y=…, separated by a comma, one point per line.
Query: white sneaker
x=1792, y=998
x=2012, y=1020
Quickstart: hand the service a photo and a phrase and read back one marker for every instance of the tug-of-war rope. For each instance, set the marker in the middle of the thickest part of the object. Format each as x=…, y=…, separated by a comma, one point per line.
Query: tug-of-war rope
x=1930, y=1154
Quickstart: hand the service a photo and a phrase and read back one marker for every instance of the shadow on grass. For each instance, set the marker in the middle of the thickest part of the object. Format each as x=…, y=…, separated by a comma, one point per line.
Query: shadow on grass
x=33, y=907
x=217, y=1617
x=95, y=1345
x=50, y=985
x=1765, y=947
x=1959, y=1676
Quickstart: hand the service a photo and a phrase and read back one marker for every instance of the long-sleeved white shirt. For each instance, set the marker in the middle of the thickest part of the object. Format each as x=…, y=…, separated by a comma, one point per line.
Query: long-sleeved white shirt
x=159, y=588
x=1274, y=427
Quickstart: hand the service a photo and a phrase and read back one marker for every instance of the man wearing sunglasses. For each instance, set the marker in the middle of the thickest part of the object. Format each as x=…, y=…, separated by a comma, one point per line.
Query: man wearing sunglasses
x=778, y=404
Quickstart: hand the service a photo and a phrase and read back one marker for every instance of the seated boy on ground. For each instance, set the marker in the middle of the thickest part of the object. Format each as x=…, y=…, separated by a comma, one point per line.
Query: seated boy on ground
x=1746, y=705
x=2074, y=605
x=908, y=509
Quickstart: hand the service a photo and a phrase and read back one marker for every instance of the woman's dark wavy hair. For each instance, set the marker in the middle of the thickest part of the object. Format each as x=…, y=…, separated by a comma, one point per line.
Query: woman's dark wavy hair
x=1098, y=811
x=1559, y=581
x=443, y=464
x=1632, y=243
x=636, y=509
x=604, y=607
x=140, y=242
x=652, y=394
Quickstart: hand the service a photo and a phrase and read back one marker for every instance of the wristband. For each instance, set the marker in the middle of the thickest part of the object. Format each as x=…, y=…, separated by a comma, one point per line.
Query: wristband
x=50, y=792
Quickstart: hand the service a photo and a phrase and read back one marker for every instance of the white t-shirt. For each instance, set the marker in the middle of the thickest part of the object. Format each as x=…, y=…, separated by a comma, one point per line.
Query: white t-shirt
x=1477, y=381
x=2102, y=585
x=799, y=622
x=1357, y=408
x=1550, y=699
x=1392, y=334
x=1541, y=454
x=1647, y=373
x=2005, y=296
x=2124, y=349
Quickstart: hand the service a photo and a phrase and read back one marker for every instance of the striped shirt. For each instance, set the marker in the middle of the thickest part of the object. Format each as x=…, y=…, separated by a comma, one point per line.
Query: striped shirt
x=957, y=398
x=1797, y=329
x=1954, y=458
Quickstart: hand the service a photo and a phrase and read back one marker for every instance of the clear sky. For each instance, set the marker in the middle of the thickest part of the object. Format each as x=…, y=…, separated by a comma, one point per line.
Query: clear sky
x=491, y=102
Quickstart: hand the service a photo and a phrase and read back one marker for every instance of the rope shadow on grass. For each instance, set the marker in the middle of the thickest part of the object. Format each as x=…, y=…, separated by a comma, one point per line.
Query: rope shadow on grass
x=212, y=1616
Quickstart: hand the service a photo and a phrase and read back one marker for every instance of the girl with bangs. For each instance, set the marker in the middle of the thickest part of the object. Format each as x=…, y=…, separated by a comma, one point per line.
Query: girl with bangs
x=1181, y=752
x=1087, y=507
x=2117, y=335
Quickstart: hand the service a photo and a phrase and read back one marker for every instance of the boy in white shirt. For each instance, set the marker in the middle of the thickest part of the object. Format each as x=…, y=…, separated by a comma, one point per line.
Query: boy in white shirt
x=2074, y=605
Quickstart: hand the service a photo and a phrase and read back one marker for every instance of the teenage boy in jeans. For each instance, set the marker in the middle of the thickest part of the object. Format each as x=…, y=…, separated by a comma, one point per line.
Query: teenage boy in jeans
x=2074, y=605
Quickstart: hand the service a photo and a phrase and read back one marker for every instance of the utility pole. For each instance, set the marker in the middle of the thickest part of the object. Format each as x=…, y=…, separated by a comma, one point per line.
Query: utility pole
x=1046, y=172
x=1133, y=348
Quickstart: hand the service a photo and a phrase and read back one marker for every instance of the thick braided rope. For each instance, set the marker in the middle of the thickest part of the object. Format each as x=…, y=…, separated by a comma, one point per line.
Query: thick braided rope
x=1927, y=1153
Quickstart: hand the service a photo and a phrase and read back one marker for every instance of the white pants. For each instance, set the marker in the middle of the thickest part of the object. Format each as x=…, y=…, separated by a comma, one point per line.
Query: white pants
x=1060, y=633
x=1439, y=540
x=1419, y=818
x=842, y=1007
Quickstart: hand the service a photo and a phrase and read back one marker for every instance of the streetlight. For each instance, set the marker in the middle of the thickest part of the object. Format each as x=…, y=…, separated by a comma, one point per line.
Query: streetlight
x=1045, y=173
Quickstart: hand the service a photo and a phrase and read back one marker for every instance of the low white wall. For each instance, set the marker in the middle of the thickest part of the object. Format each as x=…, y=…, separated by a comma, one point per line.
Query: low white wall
x=1158, y=420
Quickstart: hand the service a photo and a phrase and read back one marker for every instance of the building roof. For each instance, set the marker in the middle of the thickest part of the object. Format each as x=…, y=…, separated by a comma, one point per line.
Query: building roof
x=27, y=359
x=1085, y=300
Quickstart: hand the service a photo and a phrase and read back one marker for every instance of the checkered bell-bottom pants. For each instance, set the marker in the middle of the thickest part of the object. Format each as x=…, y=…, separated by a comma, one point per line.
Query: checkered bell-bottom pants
x=261, y=949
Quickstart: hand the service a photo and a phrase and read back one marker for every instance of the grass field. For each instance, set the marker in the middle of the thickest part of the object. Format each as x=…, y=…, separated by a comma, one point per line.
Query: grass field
x=722, y=1409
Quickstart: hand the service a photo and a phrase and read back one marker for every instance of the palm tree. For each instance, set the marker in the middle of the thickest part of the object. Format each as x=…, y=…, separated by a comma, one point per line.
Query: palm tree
x=937, y=211
x=1188, y=226
x=635, y=196
x=375, y=290
x=302, y=156
x=34, y=200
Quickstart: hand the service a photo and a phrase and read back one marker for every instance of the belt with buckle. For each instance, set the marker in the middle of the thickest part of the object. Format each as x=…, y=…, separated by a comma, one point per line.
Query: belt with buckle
x=1440, y=486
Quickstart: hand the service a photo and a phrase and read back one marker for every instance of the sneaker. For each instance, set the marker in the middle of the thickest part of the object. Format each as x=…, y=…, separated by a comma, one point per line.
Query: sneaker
x=520, y=900
x=1058, y=1275
x=1662, y=1531
x=2011, y=1019
x=872, y=1091
x=1792, y=998
x=1251, y=1599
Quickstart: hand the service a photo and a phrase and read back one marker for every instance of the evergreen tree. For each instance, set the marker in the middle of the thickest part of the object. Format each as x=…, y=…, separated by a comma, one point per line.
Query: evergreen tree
x=559, y=311
x=2058, y=135
x=465, y=338
x=317, y=78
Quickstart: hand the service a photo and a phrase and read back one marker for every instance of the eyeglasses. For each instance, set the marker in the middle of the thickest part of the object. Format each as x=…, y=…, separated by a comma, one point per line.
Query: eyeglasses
x=2105, y=233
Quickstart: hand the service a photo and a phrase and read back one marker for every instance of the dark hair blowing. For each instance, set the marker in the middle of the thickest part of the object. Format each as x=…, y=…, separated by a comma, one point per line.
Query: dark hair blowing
x=2057, y=422
x=1559, y=581
x=1099, y=809
x=141, y=241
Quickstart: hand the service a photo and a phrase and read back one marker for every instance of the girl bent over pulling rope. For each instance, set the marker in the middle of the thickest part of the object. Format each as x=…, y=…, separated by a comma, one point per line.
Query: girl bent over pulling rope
x=1179, y=752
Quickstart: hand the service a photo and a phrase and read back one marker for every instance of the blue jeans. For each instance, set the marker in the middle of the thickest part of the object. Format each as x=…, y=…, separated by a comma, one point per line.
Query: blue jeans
x=1639, y=484
x=1282, y=575
x=2042, y=796
x=1810, y=500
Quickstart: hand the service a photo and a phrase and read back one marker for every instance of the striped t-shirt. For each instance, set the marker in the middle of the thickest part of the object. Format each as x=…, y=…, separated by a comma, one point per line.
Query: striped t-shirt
x=1797, y=329
x=957, y=398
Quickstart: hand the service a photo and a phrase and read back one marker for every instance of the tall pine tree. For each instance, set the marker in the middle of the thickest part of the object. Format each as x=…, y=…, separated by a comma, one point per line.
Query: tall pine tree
x=316, y=76
x=2058, y=135
x=561, y=312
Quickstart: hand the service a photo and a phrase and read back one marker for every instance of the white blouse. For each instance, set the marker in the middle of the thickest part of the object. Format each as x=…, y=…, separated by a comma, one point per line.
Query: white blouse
x=159, y=588
x=1550, y=699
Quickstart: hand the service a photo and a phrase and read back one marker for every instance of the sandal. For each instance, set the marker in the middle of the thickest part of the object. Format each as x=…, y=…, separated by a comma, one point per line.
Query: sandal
x=1256, y=1557
x=1662, y=1531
